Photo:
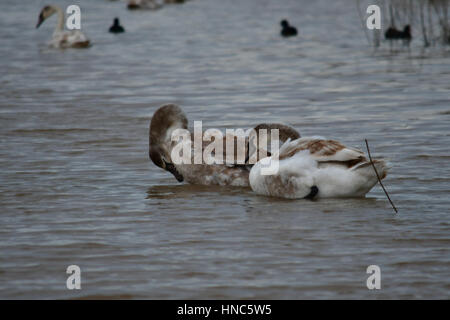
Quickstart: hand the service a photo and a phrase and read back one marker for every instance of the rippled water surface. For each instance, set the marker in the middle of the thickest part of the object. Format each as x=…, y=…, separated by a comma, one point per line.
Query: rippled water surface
x=76, y=185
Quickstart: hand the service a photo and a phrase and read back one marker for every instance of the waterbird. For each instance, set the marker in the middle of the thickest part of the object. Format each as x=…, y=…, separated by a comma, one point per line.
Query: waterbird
x=116, y=27
x=62, y=38
x=393, y=34
x=308, y=167
x=232, y=172
x=287, y=30
x=314, y=167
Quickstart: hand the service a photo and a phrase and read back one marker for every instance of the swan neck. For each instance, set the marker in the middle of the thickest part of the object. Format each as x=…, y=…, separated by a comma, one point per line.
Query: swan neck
x=60, y=25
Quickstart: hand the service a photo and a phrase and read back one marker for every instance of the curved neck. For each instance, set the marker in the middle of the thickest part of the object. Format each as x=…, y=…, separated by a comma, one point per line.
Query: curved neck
x=60, y=25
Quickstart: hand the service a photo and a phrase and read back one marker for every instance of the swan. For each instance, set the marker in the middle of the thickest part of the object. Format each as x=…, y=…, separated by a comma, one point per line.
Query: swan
x=313, y=167
x=171, y=117
x=143, y=4
x=287, y=30
x=62, y=38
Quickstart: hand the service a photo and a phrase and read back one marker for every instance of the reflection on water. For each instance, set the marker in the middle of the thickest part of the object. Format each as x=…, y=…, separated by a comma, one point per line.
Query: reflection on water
x=77, y=186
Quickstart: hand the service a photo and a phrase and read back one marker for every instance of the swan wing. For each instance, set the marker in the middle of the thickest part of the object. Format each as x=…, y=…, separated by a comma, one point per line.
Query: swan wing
x=322, y=150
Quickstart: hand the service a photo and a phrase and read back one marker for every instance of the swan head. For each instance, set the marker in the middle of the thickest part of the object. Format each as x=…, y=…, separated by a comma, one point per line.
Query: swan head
x=45, y=13
x=164, y=121
x=116, y=21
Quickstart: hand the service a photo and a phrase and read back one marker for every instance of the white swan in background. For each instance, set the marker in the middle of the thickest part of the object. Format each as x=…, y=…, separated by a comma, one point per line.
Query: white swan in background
x=143, y=4
x=62, y=38
x=317, y=168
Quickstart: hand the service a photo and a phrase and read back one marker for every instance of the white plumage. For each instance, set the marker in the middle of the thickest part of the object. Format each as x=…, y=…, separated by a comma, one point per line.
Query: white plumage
x=62, y=38
x=316, y=168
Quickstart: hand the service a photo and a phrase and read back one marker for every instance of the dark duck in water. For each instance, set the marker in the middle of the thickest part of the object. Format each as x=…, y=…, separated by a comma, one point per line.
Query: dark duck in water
x=288, y=30
x=393, y=34
x=116, y=27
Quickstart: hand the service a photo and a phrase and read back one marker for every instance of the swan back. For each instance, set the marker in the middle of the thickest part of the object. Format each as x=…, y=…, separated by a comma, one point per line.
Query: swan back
x=336, y=170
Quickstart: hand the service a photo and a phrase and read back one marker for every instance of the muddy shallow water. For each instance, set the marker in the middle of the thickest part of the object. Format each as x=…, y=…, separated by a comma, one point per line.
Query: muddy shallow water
x=76, y=185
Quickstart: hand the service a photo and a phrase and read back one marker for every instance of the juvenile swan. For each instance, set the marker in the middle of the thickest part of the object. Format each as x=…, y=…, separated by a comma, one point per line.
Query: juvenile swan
x=169, y=118
x=62, y=38
x=317, y=168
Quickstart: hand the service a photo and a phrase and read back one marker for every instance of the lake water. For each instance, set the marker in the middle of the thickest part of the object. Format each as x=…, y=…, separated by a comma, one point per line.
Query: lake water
x=77, y=187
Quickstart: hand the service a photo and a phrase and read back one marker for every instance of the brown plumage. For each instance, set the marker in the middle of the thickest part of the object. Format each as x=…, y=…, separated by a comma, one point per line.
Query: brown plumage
x=325, y=150
x=234, y=171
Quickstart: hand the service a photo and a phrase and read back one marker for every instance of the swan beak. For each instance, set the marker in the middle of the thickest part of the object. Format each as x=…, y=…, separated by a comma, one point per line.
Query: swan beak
x=171, y=168
x=41, y=19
